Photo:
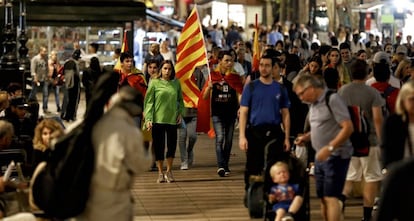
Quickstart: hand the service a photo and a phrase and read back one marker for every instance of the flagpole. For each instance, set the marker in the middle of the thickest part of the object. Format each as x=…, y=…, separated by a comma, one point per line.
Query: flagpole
x=205, y=48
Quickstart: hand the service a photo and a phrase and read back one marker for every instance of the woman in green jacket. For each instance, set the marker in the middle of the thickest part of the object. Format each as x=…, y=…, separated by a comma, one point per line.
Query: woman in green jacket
x=163, y=108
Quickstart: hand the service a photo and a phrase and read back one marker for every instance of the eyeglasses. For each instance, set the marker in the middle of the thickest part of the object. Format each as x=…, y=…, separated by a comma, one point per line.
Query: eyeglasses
x=300, y=94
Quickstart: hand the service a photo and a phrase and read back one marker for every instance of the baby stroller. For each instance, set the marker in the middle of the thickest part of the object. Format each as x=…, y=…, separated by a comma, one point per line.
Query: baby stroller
x=257, y=194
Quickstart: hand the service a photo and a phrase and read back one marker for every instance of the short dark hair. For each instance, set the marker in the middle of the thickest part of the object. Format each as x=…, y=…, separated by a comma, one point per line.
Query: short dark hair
x=124, y=55
x=359, y=69
x=95, y=46
x=344, y=45
x=381, y=71
x=331, y=77
x=273, y=58
x=222, y=53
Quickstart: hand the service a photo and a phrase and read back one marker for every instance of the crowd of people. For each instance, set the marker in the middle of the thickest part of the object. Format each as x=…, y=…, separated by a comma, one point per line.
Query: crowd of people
x=281, y=103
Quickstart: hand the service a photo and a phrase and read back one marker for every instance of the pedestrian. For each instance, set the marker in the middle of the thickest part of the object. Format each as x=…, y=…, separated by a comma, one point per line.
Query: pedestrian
x=264, y=107
x=72, y=87
x=225, y=88
x=397, y=142
x=330, y=134
x=397, y=193
x=189, y=129
x=152, y=72
x=119, y=157
x=163, y=109
x=90, y=76
x=370, y=101
x=45, y=131
x=40, y=77
x=54, y=67
x=335, y=61
x=153, y=54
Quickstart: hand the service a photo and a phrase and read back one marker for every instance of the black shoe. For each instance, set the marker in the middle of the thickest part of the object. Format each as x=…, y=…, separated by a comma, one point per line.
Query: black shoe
x=59, y=109
x=221, y=172
x=46, y=111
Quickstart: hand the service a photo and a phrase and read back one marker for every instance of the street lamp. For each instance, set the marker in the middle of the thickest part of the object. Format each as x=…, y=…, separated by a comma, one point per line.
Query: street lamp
x=9, y=66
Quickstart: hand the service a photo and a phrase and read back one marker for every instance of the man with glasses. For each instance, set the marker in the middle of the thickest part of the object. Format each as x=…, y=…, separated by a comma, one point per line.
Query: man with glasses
x=329, y=134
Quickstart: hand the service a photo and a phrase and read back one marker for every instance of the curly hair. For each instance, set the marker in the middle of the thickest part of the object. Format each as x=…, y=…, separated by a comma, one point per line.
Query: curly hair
x=53, y=125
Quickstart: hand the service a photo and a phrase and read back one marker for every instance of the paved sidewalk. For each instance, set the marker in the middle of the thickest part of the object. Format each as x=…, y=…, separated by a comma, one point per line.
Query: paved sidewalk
x=199, y=194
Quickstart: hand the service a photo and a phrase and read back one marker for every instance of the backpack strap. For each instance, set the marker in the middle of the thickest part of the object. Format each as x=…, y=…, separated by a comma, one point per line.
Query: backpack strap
x=388, y=91
x=327, y=97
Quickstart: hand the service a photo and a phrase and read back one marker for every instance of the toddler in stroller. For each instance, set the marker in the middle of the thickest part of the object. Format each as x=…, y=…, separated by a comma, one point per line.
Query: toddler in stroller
x=286, y=197
x=286, y=189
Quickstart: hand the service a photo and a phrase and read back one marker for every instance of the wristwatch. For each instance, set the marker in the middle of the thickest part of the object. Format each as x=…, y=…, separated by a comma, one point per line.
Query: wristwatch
x=331, y=148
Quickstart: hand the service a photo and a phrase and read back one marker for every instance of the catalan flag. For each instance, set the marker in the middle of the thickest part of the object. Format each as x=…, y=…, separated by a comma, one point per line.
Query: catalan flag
x=256, y=49
x=191, y=52
x=124, y=48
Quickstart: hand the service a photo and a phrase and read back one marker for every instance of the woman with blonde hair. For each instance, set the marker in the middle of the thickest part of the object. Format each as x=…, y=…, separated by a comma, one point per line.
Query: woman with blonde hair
x=45, y=131
x=403, y=70
x=398, y=129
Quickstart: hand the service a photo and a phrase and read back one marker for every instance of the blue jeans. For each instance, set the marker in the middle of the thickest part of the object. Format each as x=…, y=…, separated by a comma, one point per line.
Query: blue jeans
x=57, y=100
x=224, y=129
x=186, y=151
x=45, y=92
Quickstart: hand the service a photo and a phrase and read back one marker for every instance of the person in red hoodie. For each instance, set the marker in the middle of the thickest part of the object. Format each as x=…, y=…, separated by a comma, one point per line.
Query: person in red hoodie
x=382, y=73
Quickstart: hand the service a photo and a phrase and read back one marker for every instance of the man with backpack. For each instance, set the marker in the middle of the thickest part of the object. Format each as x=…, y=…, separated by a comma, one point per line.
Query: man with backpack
x=370, y=102
x=330, y=132
x=382, y=74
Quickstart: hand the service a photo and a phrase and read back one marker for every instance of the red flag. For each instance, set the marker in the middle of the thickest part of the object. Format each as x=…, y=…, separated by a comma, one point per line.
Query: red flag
x=191, y=53
x=256, y=50
x=204, y=123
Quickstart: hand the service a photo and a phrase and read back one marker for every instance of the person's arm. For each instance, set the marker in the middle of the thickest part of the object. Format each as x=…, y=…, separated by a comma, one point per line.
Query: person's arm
x=286, y=127
x=243, y=144
x=208, y=90
x=377, y=119
x=346, y=130
x=149, y=102
x=33, y=65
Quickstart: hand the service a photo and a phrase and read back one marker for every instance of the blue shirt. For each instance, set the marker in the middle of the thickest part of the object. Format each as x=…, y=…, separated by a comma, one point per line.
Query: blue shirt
x=265, y=102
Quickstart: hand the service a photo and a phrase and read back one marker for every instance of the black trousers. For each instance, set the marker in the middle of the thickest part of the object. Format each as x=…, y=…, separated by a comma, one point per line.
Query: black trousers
x=265, y=146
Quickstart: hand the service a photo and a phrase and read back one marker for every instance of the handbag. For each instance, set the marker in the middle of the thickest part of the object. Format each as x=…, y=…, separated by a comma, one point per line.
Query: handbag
x=58, y=78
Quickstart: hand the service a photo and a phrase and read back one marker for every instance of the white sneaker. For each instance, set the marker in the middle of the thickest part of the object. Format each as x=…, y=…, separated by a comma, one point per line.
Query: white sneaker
x=184, y=165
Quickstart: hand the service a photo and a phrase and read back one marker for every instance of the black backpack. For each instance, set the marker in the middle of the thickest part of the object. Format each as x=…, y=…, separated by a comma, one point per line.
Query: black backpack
x=360, y=137
x=61, y=188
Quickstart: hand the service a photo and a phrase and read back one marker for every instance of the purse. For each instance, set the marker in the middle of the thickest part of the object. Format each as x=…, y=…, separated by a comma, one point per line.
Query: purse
x=58, y=79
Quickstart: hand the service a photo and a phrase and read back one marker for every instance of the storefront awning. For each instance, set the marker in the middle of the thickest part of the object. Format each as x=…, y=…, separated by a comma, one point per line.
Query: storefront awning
x=163, y=19
x=80, y=12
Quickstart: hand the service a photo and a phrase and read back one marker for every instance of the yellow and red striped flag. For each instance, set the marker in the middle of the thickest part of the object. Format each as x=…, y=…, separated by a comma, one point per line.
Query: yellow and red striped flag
x=256, y=49
x=124, y=48
x=191, y=52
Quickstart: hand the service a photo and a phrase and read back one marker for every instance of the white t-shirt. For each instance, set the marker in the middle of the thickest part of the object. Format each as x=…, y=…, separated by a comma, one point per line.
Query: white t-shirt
x=395, y=82
x=239, y=68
